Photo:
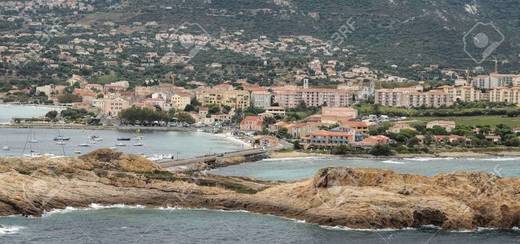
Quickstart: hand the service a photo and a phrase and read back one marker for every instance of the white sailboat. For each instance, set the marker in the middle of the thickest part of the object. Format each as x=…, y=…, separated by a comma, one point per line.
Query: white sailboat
x=139, y=139
x=33, y=139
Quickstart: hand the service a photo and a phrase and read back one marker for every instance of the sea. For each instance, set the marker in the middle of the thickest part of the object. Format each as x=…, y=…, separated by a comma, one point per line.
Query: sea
x=136, y=224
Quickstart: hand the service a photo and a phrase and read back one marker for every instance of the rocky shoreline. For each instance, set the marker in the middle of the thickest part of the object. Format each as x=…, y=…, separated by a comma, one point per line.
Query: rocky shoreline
x=354, y=198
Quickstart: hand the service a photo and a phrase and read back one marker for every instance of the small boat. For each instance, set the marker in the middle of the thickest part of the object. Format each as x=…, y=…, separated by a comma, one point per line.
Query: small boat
x=61, y=138
x=77, y=152
x=123, y=139
x=96, y=138
x=139, y=144
x=121, y=145
x=60, y=143
x=84, y=145
x=33, y=141
x=6, y=148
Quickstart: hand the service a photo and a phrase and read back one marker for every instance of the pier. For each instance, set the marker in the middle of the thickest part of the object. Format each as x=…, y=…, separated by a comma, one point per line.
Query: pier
x=217, y=159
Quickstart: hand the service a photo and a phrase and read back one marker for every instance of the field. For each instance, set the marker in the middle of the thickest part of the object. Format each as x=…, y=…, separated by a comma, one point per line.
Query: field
x=477, y=120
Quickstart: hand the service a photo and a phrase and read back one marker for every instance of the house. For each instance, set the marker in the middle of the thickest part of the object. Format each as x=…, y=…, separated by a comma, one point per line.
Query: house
x=493, y=138
x=449, y=126
x=451, y=139
x=252, y=123
x=358, y=126
x=300, y=130
x=397, y=127
x=372, y=141
x=203, y=112
x=273, y=111
x=119, y=86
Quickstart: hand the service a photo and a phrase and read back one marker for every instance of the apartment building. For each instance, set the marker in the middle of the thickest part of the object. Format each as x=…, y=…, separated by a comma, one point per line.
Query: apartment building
x=224, y=95
x=412, y=98
x=110, y=105
x=505, y=94
x=464, y=93
x=291, y=97
x=495, y=80
x=261, y=98
x=323, y=139
x=180, y=100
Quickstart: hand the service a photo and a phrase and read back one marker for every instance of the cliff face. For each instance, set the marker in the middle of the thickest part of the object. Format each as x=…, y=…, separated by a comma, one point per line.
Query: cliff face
x=360, y=198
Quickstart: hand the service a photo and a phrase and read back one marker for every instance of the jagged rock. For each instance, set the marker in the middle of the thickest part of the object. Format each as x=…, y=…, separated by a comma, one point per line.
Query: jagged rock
x=356, y=198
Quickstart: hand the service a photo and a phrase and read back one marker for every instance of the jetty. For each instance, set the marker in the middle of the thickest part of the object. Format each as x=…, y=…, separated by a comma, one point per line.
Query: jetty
x=218, y=159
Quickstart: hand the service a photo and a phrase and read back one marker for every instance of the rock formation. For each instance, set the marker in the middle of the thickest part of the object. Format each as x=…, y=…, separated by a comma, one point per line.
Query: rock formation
x=356, y=198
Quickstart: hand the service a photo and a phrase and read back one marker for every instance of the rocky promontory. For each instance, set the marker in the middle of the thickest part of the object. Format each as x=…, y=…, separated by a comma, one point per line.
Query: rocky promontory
x=355, y=198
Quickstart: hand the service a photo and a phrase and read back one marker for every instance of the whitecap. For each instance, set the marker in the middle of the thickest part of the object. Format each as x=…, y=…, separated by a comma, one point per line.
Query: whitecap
x=501, y=159
x=59, y=211
x=292, y=159
x=10, y=230
x=343, y=228
x=96, y=206
x=426, y=159
x=392, y=162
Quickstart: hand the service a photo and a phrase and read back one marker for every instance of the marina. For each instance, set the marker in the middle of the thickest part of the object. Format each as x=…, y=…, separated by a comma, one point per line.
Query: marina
x=152, y=144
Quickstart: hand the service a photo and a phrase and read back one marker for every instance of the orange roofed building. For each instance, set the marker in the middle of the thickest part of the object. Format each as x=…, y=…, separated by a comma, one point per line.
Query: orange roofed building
x=252, y=123
x=372, y=141
x=324, y=138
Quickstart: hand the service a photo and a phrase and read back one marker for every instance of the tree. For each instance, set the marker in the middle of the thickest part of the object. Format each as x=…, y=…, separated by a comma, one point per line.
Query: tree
x=136, y=115
x=297, y=145
x=213, y=109
x=51, y=115
x=381, y=150
x=283, y=133
x=437, y=130
x=69, y=98
x=75, y=115
x=184, y=117
x=190, y=108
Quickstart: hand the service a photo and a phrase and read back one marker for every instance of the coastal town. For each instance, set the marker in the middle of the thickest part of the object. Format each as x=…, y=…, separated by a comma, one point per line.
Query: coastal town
x=333, y=120
x=259, y=121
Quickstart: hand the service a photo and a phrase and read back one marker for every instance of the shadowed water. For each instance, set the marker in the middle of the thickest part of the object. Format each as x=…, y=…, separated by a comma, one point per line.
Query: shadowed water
x=202, y=226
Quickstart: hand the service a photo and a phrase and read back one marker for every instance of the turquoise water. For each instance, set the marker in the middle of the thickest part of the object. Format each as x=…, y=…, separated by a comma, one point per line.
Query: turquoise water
x=296, y=169
x=7, y=112
x=155, y=143
x=202, y=226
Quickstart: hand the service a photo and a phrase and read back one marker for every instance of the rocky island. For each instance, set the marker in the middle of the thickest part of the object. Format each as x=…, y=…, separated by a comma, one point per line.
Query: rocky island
x=355, y=198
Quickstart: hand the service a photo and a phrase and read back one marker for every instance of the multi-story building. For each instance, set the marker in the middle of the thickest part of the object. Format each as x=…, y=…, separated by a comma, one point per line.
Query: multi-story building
x=495, y=80
x=252, y=123
x=505, y=94
x=323, y=139
x=291, y=97
x=111, y=105
x=464, y=93
x=224, y=95
x=412, y=98
x=180, y=100
x=261, y=99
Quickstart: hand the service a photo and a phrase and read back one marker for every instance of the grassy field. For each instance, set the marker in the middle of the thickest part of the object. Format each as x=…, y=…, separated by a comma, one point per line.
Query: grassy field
x=476, y=120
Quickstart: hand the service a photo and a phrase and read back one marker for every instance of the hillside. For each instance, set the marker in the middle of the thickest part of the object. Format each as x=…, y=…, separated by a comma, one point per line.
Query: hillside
x=387, y=31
